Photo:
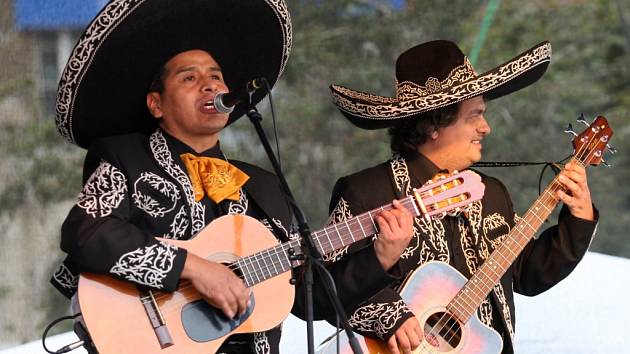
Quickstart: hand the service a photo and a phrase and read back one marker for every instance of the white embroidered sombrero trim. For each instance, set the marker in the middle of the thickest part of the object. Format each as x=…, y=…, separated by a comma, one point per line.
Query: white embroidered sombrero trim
x=408, y=90
x=382, y=108
x=82, y=56
x=95, y=34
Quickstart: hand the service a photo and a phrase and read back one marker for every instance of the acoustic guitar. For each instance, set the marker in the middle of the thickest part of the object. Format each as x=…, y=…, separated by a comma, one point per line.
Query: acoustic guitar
x=123, y=319
x=445, y=302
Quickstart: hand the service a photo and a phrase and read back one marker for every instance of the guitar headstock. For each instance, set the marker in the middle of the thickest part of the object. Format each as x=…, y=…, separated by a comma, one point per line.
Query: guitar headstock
x=445, y=193
x=591, y=144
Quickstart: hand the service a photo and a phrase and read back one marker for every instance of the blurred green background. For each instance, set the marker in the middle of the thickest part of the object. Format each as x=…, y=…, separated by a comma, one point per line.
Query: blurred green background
x=350, y=42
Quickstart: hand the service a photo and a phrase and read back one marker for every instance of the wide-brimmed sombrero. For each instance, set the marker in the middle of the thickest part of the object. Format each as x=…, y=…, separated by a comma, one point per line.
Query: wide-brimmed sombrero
x=437, y=74
x=104, y=84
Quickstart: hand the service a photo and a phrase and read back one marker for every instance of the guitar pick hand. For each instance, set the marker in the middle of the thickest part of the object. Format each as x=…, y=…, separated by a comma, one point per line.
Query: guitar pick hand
x=407, y=337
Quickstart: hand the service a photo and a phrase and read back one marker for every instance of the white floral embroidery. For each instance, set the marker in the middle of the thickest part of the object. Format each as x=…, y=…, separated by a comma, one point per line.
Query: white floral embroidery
x=147, y=265
x=103, y=191
x=80, y=59
x=376, y=108
x=498, y=289
x=485, y=312
x=400, y=173
x=433, y=228
x=240, y=206
x=339, y=214
x=162, y=155
x=64, y=277
x=97, y=32
x=278, y=223
x=179, y=225
x=378, y=318
x=261, y=343
x=150, y=182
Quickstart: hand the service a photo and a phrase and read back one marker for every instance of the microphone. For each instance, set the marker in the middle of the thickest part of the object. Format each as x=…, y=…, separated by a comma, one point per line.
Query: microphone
x=225, y=102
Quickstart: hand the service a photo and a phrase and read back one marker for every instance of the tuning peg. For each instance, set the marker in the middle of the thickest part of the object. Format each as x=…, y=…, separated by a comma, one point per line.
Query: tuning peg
x=606, y=164
x=569, y=130
x=611, y=149
x=582, y=120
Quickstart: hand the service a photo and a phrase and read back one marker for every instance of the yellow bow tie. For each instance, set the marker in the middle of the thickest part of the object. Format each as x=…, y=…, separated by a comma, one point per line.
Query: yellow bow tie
x=217, y=178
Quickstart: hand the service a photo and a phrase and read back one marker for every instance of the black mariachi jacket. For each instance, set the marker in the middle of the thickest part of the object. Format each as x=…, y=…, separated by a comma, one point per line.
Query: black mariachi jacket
x=463, y=242
x=135, y=189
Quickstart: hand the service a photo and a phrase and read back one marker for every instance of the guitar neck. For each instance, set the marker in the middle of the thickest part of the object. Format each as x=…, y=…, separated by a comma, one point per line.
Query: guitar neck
x=488, y=275
x=271, y=262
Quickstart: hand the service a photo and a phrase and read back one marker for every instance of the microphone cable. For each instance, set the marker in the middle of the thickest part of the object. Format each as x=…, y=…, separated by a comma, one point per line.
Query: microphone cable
x=273, y=119
x=64, y=349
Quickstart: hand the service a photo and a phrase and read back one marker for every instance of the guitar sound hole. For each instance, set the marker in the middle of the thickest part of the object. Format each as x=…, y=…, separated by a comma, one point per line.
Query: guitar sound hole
x=441, y=330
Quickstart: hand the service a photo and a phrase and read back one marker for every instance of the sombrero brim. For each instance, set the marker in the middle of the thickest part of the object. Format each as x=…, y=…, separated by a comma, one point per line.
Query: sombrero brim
x=103, y=87
x=370, y=111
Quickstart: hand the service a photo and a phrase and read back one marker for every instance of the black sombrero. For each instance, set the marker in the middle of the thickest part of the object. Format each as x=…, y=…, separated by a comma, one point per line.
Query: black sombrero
x=436, y=74
x=103, y=86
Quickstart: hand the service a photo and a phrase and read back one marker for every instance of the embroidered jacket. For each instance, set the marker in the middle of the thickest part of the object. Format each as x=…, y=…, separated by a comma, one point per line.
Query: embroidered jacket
x=463, y=241
x=135, y=189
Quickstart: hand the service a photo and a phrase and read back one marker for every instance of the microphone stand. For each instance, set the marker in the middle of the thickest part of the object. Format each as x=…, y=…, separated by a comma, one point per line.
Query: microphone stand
x=310, y=253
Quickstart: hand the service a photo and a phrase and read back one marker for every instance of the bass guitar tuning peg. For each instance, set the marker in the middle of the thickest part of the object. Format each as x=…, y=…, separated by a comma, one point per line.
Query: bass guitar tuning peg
x=569, y=130
x=611, y=149
x=606, y=164
x=581, y=119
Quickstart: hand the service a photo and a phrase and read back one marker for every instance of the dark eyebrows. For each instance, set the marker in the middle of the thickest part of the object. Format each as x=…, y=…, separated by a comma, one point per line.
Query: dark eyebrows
x=194, y=68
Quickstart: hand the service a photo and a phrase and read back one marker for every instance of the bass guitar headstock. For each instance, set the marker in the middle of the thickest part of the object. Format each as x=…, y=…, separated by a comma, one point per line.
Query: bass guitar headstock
x=590, y=145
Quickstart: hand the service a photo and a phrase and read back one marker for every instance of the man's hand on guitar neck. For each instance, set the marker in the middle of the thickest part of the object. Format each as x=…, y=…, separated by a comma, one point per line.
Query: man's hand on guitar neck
x=407, y=337
x=578, y=198
x=395, y=232
x=218, y=285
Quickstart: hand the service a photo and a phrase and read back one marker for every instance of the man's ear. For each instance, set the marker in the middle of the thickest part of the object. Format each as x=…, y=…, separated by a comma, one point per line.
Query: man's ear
x=153, y=103
x=435, y=134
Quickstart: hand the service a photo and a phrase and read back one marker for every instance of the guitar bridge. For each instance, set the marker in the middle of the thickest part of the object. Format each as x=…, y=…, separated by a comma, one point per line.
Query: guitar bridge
x=155, y=318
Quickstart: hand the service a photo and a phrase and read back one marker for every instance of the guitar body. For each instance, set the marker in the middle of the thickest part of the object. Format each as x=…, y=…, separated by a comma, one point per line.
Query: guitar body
x=118, y=322
x=427, y=292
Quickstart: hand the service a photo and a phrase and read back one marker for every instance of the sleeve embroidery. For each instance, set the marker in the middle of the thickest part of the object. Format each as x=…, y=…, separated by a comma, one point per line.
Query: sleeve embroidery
x=104, y=191
x=64, y=277
x=378, y=318
x=147, y=265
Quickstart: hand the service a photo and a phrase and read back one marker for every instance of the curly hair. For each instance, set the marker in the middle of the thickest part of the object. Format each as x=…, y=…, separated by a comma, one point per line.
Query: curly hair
x=406, y=136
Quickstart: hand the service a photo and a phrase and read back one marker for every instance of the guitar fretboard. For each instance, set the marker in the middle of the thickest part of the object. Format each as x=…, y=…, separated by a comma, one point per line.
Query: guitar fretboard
x=470, y=297
x=271, y=262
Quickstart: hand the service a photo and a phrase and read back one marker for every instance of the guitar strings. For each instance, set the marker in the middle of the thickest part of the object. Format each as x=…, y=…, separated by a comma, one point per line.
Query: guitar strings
x=259, y=272
x=554, y=187
x=270, y=262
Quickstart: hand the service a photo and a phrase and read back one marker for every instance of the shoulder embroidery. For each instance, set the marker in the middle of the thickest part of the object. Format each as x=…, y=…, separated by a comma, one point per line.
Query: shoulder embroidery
x=162, y=155
x=378, y=318
x=148, y=204
x=64, y=277
x=146, y=265
x=103, y=191
x=400, y=173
